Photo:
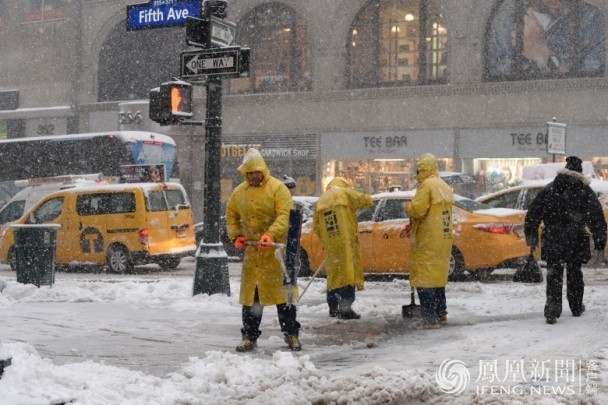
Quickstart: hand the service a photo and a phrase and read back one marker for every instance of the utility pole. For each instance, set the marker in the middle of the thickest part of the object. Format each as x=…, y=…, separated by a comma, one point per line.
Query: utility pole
x=171, y=104
x=211, y=275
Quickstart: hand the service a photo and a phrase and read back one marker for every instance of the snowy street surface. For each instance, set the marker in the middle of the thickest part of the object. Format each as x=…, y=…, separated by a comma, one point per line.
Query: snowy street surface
x=96, y=338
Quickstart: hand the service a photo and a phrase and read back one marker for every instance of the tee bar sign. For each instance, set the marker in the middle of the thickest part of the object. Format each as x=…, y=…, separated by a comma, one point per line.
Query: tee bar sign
x=210, y=62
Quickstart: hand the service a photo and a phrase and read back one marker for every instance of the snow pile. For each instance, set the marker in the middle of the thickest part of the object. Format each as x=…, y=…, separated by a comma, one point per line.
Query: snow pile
x=149, y=341
x=219, y=376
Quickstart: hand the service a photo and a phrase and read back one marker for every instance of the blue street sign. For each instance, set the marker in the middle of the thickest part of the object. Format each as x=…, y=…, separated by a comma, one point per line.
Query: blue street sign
x=161, y=13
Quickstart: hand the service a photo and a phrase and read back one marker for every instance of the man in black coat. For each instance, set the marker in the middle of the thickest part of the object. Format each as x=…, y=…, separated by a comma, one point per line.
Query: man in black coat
x=568, y=207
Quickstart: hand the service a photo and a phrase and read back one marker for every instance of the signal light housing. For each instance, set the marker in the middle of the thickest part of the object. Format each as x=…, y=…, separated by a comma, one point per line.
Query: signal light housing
x=171, y=102
x=216, y=8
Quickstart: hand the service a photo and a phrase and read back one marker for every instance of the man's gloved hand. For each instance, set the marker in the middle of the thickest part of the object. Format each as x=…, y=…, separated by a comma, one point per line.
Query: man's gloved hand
x=264, y=239
x=600, y=257
x=239, y=242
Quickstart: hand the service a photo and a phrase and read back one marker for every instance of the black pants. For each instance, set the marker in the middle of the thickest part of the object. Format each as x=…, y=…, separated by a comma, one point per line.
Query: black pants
x=341, y=299
x=433, y=304
x=575, y=288
x=252, y=317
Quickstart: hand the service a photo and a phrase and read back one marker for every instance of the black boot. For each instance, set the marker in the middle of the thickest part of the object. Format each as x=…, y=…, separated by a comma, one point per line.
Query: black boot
x=348, y=314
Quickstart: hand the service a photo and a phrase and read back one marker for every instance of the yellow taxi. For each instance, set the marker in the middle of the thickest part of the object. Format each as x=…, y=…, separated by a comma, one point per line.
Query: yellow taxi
x=118, y=225
x=485, y=238
x=521, y=196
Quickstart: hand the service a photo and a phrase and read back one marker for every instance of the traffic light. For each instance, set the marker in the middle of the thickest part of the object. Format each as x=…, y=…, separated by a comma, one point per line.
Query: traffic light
x=216, y=8
x=197, y=32
x=244, y=62
x=171, y=102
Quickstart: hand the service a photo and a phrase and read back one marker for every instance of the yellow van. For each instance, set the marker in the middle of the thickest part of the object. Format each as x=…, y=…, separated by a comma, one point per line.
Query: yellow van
x=118, y=225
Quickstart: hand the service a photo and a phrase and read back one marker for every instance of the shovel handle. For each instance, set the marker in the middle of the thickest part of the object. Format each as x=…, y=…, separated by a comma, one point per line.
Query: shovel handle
x=272, y=244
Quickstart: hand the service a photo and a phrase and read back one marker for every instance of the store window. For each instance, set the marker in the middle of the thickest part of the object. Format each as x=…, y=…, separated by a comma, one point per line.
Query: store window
x=374, y=176
x=397, y=42
x=495, y=174
x=281, y=52
x=537, y=39
x=42, y=10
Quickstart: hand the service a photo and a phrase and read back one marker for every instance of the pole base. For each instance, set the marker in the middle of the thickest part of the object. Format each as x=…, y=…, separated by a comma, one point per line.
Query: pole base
x=211, y=275
x=4, y=363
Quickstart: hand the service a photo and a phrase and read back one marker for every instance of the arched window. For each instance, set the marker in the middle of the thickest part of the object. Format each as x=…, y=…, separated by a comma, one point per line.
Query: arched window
x=281, y=56
x=537, y=39
x=42, y=10
x=133, y=63
x=397, y=42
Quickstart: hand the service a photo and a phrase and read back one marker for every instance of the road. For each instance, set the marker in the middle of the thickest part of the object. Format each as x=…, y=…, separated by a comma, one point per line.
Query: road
x=150, y=322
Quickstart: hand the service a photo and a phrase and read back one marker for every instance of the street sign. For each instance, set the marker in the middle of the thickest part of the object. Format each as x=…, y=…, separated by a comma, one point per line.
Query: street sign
x=556, y=138
x=210, y=32
x=161, y=13
x=223, y=33
x=214, y=62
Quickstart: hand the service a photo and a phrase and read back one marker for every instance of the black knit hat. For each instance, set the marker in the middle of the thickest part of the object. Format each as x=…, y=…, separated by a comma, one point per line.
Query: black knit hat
x=575, y=164
x=289, y=181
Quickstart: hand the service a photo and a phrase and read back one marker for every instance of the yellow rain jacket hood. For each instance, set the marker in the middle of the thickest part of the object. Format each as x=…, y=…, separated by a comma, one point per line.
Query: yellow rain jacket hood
x=335, y=222
x=431, y=226
x=252, y=212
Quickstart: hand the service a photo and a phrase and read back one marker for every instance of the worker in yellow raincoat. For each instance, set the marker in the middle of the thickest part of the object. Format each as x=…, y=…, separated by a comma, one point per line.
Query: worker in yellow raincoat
x=431, y=240
x=335, y=222
x=258, y=210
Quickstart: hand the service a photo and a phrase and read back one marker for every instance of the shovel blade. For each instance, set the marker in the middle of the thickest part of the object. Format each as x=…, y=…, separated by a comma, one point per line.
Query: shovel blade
x=410, y=311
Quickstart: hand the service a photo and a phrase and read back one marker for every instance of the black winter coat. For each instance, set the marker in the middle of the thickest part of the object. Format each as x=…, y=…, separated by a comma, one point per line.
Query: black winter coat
x=568, y=207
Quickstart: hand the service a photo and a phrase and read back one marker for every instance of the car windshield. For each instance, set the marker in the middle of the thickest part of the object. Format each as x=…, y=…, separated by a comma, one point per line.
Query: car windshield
x=469, y=205
x=367, y=214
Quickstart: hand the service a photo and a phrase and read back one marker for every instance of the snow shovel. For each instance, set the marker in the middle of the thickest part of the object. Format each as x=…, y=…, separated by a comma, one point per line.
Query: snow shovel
x=412, y=310
x=311, y=279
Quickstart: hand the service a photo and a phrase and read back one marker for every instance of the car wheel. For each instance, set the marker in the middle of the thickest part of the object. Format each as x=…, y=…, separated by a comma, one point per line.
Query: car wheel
x=169, y=263
x=119, y=260
x=456, y=270
x=305, y=270
x=482, y=274
x=12, y=258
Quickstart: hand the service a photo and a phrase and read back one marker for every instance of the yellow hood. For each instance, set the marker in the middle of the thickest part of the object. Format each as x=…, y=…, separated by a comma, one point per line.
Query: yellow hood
x=427, y=166
x=253, y=162
x=339, y=182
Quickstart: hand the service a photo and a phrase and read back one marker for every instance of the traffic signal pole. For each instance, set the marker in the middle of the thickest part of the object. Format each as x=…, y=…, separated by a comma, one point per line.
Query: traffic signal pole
x=171, y=104
x=211, y=275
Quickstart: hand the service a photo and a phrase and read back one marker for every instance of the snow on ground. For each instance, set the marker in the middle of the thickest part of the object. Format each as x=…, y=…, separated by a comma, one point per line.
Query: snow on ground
x=134, y=340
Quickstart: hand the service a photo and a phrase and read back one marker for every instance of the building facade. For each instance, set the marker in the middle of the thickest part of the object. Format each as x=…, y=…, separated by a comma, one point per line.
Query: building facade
x=352, y=87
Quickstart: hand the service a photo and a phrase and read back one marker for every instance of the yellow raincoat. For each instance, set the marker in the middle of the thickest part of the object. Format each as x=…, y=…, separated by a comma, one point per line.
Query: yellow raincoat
x=431, y=227
x=253, y=212
x=335, y=221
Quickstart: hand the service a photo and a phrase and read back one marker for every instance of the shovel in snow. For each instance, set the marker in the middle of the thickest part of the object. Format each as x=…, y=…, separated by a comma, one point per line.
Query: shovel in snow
x=412, y=310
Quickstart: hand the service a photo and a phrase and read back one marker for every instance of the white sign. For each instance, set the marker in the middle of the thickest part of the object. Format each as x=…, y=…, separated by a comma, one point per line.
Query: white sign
x=556, y=138
x=223, y=33
x=223, y=61
x=197, y=64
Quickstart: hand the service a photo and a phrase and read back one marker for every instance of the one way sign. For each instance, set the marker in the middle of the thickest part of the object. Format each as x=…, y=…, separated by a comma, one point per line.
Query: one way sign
x=223, y=33
x=233, y=61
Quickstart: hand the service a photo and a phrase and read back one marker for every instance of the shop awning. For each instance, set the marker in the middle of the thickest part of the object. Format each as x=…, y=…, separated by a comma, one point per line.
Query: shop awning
x=37, y=112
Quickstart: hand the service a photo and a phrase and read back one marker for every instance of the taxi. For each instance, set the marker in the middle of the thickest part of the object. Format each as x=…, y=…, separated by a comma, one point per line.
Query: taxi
x=485, y=238
x=520, y=197
x=113, y=225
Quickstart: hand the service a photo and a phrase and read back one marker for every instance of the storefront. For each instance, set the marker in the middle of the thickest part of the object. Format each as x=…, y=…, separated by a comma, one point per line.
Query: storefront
x=381, y=161
x=496, y=156
x=291, y=155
